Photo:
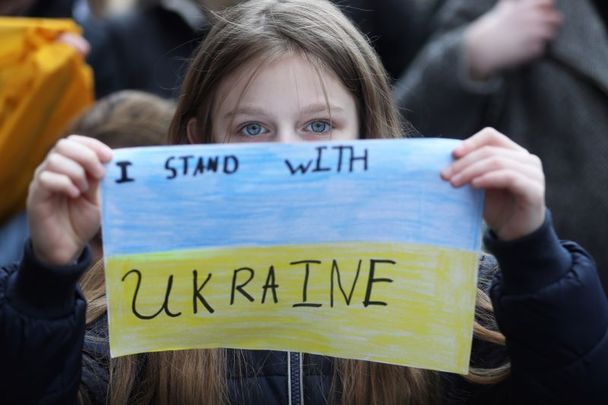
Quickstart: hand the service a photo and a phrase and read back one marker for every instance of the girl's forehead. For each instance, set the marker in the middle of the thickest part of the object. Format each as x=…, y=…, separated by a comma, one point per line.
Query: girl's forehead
x=288, y=76
x=265, y=70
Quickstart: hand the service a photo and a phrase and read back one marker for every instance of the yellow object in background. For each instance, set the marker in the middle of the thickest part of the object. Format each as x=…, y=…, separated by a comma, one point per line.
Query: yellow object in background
x=44, y=84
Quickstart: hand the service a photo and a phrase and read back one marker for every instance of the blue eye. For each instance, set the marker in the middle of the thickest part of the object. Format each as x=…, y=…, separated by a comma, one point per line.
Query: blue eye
x=253, y=129
x=318, y=127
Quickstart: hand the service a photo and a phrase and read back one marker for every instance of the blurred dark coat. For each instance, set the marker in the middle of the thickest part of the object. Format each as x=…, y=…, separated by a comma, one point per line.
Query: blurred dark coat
x=146, y=50
x=397, y=29
x=51, y=9
x=556, y=107
x=149, y=49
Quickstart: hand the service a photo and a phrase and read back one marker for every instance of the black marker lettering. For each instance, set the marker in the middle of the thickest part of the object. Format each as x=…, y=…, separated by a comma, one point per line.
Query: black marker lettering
x=318, y=167
x=235, y=164
x=240, y=286
x=301, y=168
x=305, y=285
x=168, y=167
x=186, y=159
x=200, y=167
x=212, y=164
x=368, y=291
x=165, y=306
x=124, y=176
x=340, y=149
x=353, y=159
x=196, y=293
x=272, y=284
x=335, y=270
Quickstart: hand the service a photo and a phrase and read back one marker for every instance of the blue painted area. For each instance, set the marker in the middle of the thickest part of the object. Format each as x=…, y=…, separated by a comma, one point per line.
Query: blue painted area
x=400, y=198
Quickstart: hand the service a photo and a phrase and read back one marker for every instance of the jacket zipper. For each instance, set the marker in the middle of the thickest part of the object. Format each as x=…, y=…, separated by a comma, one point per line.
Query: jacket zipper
x=295, y=388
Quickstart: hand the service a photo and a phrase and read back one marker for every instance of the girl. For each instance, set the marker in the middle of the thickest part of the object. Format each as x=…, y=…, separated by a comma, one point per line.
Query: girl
x=285, y=71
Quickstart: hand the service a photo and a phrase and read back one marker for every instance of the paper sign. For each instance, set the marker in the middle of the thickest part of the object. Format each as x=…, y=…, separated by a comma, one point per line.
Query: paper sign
x=348, y=249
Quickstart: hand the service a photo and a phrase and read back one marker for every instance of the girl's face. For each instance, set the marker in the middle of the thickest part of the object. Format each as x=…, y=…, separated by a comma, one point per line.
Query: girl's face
x=284, y=101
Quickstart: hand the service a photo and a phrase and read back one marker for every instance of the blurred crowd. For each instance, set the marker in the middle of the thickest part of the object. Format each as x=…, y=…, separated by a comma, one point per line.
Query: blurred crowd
x=536, y=70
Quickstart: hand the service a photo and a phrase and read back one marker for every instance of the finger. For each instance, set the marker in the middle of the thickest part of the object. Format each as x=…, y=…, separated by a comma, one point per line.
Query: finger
x=548, y=5
x=539, y=8
x=537, y=20
x=104, y=152
x=496, y=164
x=490, y=152
x=536, y=48
x=492, y=164
x=487, y=136
x=55, y=183
x=528, y=4
x=60, y=164
x=530, y=190
x=92, y=194
x=554, y=18
x=546, y=20
x=546, y=35
x=82, y=154
x=528, y=7
x=77, y=42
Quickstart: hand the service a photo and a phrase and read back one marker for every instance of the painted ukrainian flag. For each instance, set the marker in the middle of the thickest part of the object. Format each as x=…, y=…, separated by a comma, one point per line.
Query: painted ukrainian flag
x=349, y=249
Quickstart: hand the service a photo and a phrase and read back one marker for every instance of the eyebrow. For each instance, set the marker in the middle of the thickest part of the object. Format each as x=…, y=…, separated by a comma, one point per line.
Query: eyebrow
x=310, y=109
x=321, y=107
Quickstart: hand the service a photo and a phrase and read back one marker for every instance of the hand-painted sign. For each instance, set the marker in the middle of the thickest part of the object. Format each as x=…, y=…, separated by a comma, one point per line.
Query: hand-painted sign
x=349, y=249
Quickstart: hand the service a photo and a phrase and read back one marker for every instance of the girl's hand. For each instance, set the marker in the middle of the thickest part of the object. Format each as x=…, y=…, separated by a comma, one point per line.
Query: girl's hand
x=512, y=178
x=62, y=205
x=512, y=33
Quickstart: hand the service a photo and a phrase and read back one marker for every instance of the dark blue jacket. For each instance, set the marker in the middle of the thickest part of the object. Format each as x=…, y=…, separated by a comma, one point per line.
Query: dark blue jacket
x=547, y=300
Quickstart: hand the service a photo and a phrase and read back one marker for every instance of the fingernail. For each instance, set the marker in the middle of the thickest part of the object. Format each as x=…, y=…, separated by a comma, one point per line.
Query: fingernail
x=446, y=173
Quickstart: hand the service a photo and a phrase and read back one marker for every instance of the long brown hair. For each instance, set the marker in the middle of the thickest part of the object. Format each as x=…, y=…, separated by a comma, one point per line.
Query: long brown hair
x=241, y=35
x=270, y=29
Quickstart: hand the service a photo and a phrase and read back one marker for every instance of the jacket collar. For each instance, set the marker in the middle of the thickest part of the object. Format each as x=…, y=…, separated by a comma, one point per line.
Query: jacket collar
x=582, y=43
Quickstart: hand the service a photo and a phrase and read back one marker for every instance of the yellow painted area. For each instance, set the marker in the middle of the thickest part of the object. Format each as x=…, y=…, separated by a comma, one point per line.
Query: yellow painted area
x=427, y=321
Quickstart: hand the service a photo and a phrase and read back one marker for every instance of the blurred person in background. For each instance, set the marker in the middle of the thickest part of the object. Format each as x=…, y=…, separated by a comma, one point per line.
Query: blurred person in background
x=538, y=71
x=43, y=85
x=143, y=47
x=77, y=10
x=148, y=48
x=396, y=28
x=125, y=119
